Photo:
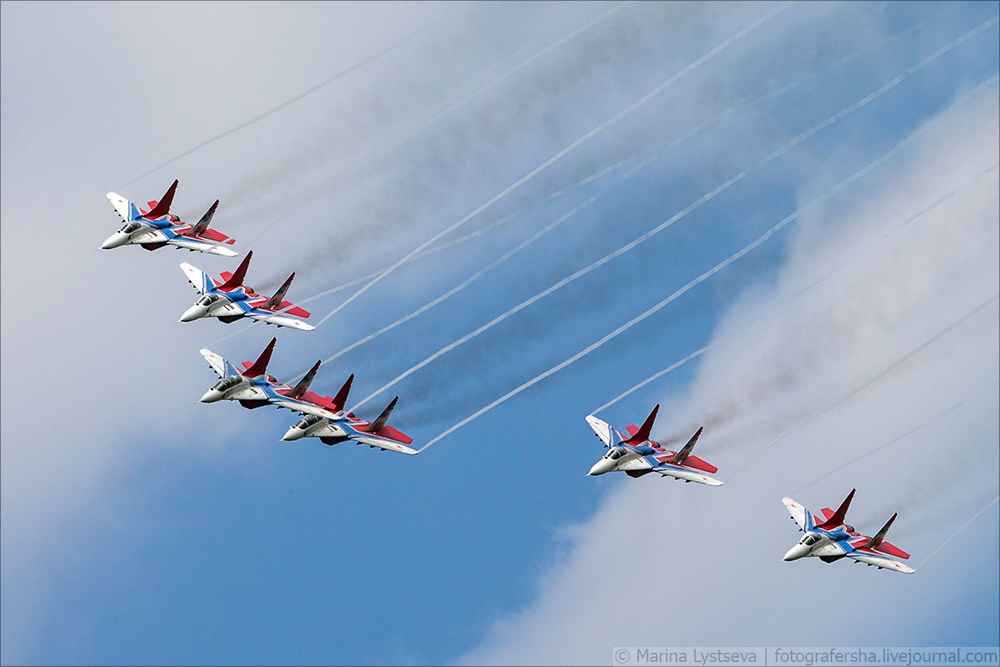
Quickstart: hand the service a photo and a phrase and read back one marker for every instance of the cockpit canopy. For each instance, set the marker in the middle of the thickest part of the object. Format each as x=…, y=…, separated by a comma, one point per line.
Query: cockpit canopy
x=208, y=299
x=307, y=421
x=809, y=539
x=130, y=227
x=616, y=453
x=226, y=384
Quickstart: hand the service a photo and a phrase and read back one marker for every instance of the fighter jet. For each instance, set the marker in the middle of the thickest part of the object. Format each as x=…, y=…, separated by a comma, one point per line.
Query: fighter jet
x=231, y=300
x=253, y=387
x=638, y=455
x=157, y=227
x=833, y=539
x=331, y=432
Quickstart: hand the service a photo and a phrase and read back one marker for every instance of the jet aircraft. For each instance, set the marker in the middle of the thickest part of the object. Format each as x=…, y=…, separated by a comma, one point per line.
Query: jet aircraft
x=331, y=432
x=638, y=455
x=231, y=300
x=156, y=227
x=253, y=387
x=832, y=539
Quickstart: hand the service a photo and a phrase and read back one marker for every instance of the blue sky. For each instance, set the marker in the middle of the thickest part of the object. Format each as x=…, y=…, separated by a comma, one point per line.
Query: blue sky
x=142, y=527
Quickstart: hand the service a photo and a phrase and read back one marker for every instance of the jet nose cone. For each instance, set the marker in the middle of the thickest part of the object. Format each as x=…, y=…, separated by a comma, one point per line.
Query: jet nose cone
x=794, y=553
x=114, y=241
x=598, y=468
x=192, y=313
x=211, y=396
x=292, y=434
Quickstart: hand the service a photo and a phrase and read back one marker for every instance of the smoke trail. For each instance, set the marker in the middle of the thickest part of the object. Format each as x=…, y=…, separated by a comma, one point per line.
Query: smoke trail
x=288, y=103
x=726, y=262
x=955, y=534
x=882, y=446
x=285, y=212
x=870, y=381
x=558, y=156
x=785, y=302
x=472, y=278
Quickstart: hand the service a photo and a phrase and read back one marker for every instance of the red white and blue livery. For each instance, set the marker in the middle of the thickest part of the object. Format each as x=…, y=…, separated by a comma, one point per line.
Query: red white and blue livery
x=156, y=227
x=637, y=455
x=832, y=539
x=347, y=427
x=229, y=299
x=253, y=387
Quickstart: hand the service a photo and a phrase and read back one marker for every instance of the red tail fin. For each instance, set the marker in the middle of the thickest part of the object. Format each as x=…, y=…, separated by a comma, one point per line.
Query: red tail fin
x=163, y=207
x=341, y=398
x=643, y=433
x=838, y=516
x=260, y=366
x=236, y=279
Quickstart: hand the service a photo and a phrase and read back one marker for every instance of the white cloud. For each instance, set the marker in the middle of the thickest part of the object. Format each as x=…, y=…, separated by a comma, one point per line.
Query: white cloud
x=666, y=564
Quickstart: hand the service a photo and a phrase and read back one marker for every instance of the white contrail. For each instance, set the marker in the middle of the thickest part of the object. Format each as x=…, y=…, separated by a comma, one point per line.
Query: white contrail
x=880, y=447
x=906, y=357
x=524, y=179
x=687, y=210
x=718, y=267
x=286, y=103
x=955, y=534
x=794, y=296
x=472, y=278
x=283, y=213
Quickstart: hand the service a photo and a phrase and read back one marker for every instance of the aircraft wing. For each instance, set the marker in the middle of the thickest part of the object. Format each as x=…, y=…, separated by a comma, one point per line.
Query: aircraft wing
x=302, y=407
x=878, y=561
x=601, y=428
x=192, y=243
x=384, y=443
x=797, y=511
x=280, y=320
x=687, y=475
x=198, y=278
x=221, y=367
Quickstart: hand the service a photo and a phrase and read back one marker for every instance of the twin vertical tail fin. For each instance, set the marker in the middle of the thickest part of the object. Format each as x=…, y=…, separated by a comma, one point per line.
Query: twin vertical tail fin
x=163, y=206
x=274, y=303
x=383, y=418
x=838, y=517
x=642, y=434
x=236, y=280
x=202, y=225
x=259, y=367
x=304, y=383
x=878, y=542
x=682, y=455
x=340, y=400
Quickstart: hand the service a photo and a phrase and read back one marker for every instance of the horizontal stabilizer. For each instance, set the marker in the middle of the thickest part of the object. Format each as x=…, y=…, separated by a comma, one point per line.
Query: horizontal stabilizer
x=693, y=461
x=162, y=207
x=391, y=433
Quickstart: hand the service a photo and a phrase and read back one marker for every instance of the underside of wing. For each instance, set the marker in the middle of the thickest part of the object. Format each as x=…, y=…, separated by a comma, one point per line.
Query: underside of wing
x=687, y=475
x=384, y=443
x=198, y=278
x=281, y=321
x=797, y=511
x=221, y=367
x=601, y=428
x=879, y=561
x=193, y=243
x=303, y=408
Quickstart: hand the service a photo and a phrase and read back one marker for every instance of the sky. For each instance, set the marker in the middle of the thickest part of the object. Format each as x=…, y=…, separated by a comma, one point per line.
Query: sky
x=798, y=199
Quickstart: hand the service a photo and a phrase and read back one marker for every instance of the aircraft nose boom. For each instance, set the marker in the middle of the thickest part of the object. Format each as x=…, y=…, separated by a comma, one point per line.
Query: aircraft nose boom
x=211, y=396
x=292, y=434
x=795, y=553
x=601, y=467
